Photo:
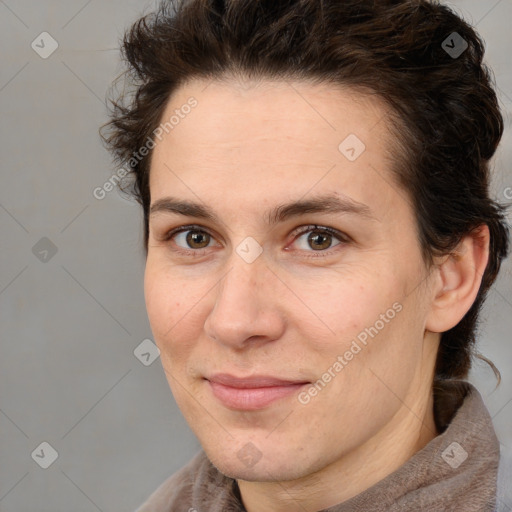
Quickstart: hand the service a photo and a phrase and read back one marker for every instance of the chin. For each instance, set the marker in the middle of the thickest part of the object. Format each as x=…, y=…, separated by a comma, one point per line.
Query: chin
x=246, y=463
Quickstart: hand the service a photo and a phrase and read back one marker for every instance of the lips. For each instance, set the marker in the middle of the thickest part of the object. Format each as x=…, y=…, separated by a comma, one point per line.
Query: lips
x=251, y=393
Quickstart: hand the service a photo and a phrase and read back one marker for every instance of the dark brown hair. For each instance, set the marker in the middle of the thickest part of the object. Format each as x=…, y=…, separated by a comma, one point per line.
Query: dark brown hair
x=444, y=110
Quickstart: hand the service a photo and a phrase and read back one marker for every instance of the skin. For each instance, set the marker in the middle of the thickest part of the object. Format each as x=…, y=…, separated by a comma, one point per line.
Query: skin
x=248, y=147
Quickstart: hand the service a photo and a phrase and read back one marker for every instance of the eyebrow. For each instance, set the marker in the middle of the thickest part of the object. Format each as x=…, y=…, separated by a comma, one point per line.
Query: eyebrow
x=331, y=203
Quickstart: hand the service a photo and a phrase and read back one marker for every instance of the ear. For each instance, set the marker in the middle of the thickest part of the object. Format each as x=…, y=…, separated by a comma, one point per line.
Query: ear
x=459, y=276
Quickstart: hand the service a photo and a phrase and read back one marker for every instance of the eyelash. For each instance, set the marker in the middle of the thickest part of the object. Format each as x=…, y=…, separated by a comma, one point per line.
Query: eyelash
x=344, y=239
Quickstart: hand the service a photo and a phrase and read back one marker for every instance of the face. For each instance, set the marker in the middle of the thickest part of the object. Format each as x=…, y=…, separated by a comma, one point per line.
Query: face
x=290, y=305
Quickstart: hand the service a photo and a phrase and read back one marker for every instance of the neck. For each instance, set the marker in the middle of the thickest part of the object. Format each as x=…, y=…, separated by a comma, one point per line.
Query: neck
x=411, y=429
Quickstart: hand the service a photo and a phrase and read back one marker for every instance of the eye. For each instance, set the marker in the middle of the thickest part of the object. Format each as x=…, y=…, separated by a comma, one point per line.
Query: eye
x=320, y=238
x=191, y=239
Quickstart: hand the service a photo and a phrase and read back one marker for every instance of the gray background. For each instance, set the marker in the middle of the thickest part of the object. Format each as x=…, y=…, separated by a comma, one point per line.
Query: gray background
x=70, y=324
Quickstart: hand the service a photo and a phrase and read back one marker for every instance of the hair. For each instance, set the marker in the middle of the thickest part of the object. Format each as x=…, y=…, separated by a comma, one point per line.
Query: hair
x=443, y=109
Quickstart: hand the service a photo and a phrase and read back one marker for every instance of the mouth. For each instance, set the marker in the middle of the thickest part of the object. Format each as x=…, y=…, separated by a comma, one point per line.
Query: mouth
x=251, y=393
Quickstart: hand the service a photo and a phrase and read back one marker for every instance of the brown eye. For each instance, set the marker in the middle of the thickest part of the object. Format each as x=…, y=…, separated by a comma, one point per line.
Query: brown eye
x=320, y=240
x=200, y=238
x=189, y=240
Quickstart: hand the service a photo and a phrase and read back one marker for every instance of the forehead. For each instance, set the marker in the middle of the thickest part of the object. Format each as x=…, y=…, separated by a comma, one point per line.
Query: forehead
x=270, y=137
x=320, y=112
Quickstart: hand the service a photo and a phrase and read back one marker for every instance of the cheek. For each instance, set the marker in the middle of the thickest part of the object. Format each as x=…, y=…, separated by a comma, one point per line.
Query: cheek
x=156, y=302
x=348, y=305
x=165, y=303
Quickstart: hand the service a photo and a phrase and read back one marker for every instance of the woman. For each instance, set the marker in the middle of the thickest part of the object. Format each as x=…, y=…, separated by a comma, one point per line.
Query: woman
x=330, y=161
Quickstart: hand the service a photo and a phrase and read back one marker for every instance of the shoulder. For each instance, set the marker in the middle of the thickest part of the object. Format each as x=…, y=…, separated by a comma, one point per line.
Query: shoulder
x=504, y=496
x=196, y=485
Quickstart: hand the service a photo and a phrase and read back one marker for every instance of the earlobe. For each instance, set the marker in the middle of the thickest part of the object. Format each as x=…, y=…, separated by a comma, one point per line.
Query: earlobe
x=459, y=278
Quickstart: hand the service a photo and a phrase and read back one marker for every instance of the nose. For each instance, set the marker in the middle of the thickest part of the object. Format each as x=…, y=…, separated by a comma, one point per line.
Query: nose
x=246, y=310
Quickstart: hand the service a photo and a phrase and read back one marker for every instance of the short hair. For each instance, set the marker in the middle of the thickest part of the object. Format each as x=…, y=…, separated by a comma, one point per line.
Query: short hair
x=418, y=56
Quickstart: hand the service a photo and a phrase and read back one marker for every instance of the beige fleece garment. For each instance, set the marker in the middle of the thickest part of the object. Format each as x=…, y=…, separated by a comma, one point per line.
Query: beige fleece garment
x=438, y=478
